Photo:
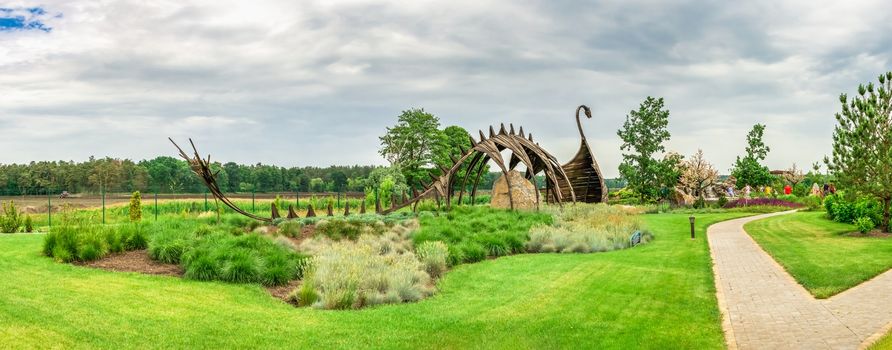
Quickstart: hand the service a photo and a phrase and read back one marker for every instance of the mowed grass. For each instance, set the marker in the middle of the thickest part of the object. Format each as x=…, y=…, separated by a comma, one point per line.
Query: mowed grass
x=660, y=295
x=819, y=254
x=885, y=343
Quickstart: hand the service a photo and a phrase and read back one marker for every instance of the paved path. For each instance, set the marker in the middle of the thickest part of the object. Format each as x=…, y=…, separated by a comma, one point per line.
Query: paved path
x=764, y=308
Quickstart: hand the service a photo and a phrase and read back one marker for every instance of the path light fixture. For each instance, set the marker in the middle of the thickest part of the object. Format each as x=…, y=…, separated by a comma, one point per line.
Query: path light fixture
x=691, y=219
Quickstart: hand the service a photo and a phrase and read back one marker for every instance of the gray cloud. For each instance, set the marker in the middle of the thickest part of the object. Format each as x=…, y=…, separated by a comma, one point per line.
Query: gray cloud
x=315, y=83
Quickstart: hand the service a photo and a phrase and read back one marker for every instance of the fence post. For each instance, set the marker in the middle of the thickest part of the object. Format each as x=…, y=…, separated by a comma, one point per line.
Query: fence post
x=339, y=200
x=297, y=200
x=253, y=208
x=102, y=190
x=156, y=205
x=205, y=200
x=49, y=209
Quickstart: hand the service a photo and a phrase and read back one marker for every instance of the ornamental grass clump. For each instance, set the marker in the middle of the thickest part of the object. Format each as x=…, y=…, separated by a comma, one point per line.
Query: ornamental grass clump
x=82, y=241
x=586, y=228
x=374, y=269
x=433, y=255
x=242, y=259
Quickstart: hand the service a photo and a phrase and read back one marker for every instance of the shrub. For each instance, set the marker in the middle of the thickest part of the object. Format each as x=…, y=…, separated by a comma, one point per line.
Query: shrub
x=135, y=208
x=10, y=219
x=723, y=199
x=28, y=224
x=864, y=224
x=433, y=255
x=849, y=211
x=586, y=228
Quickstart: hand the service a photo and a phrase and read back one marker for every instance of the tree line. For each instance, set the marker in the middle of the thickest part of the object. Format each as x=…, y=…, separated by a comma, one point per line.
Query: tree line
x=172, y=175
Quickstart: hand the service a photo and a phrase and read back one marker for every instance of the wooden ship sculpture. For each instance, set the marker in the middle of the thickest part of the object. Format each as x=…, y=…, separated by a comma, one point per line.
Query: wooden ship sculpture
x=578, y=180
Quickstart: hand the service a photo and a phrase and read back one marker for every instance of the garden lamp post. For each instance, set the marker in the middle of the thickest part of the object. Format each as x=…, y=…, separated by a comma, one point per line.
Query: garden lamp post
x=691, y=219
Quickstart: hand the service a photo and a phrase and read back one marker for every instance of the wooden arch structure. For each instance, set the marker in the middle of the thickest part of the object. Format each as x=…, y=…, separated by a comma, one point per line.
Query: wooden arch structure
x=578, y=180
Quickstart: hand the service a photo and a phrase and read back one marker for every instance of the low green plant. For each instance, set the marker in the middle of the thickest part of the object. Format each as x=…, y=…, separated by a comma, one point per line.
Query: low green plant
x=290, y=228
x=80, y=240
x=168, y=245
x=474, y=232
x=28, y=224
x=433, y=255
x=242, y=259
x=864, y=224
x=10, y=218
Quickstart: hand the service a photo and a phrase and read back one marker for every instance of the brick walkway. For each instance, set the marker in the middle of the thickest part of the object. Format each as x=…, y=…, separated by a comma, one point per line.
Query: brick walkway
x=764, y=308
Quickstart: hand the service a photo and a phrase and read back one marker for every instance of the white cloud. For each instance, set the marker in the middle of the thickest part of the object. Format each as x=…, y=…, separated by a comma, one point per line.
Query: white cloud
x=315, y=82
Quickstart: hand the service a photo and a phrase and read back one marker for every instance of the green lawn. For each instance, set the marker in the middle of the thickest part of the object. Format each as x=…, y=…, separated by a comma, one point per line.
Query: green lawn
x=817, y=252
x=884, y=343
x=658, y=296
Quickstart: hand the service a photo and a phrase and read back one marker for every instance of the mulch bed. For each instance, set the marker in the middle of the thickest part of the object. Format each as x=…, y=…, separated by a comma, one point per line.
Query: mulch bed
x=874, y=234
x=136, y=261
x=139, y=261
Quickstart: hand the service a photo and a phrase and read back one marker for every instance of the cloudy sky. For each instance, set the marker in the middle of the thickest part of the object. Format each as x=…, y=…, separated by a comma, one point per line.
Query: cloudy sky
x=316, y=82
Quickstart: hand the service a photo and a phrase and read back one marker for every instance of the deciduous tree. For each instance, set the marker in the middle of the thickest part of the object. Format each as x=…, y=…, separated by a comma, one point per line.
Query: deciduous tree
x=697, y=174
x=643, y=134
x=409, y=144
x=749, y=169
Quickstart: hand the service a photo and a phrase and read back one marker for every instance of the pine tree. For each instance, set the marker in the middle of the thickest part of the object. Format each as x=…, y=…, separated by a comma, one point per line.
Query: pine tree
x=862, y=144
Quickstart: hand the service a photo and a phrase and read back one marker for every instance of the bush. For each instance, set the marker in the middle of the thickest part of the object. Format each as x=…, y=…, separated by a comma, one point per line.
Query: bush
x=28, y=224
x=586, y=228
x=433, y=255
x=723, y=199
x=10, y=219
x=864, y=224
x=135, y=209
x=849, y=211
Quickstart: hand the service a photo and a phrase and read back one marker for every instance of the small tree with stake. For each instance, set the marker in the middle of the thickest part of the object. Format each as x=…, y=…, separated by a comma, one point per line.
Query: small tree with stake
x=135, y=207
x=862, y=144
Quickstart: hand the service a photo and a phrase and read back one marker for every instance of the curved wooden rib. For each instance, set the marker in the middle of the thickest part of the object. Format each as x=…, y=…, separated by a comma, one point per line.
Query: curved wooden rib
x=202, y=168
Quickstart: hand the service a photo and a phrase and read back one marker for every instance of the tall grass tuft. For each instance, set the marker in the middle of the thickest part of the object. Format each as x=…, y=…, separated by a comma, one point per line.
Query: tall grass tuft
x=586, y=228
x=374, y=269
x=474, y=233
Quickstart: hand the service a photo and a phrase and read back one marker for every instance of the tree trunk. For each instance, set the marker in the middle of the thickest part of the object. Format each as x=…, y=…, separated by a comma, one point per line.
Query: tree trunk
x=886, y=204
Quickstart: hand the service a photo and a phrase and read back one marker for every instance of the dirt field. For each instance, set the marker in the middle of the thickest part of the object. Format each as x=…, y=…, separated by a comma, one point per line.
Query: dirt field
x=39, y=204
